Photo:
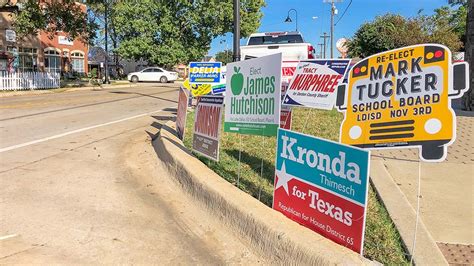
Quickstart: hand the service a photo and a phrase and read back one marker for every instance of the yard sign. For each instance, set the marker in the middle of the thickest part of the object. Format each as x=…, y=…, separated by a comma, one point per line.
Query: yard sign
x=285, y=113
x=197, y=89
x=252, y=104
x=322, y=185
x=207, y=125
x=402, y=98
x=219, y=89
x=314, y=83
x=205, y=72
x=181, y=113
x=200, y=89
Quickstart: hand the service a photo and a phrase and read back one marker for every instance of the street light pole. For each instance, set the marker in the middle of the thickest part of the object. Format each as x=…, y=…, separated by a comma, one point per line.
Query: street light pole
x=106, y=67
x=236, y=56
x=288, y=19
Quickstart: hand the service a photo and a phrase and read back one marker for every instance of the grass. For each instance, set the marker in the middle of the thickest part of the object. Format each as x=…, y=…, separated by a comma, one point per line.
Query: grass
x=382, y=241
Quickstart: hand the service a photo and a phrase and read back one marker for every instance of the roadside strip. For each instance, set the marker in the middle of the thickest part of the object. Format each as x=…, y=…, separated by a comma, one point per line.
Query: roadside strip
x=280, y=239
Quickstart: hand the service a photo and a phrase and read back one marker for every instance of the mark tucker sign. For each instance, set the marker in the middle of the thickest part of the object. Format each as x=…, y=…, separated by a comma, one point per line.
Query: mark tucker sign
x=322, y=185
x=252, y=104
x=205, y=72
x=402, y=98
x=207, y=126
x=315, y=83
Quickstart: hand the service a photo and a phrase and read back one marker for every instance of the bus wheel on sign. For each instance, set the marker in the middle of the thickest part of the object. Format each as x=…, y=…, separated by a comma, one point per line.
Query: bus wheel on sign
x=432, y=151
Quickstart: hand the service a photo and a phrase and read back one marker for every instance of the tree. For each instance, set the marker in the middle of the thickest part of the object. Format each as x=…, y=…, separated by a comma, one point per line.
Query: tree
x=385, y=33
x=441, y=28
x=96, y=12
x=177, y=31
x=53, y=16
x=392, y=31
x=468, y=97
x=224, y=56
x=458, y=19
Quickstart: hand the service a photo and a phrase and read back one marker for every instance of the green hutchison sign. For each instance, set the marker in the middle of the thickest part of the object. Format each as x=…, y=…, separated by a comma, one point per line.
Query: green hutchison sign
x=252, y=105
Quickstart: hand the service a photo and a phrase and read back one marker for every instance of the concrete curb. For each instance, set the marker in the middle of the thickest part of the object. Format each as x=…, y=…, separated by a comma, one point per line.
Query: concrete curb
x=404, y=217
x=280, y=239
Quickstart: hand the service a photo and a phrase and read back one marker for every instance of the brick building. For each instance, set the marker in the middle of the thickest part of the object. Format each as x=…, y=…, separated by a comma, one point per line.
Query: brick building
x=39, y=52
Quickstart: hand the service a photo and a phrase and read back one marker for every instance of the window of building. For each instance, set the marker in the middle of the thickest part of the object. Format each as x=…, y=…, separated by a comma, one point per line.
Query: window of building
x=26, y=58
x=52, y=61
x=77, y=61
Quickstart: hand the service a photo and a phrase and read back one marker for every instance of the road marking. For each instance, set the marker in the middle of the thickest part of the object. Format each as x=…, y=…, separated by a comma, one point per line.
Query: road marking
x=7, y=236
x=89, y=104
x=14, y=147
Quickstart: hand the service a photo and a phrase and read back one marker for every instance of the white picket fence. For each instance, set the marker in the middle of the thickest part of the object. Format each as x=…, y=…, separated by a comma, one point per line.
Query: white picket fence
x=29, y=80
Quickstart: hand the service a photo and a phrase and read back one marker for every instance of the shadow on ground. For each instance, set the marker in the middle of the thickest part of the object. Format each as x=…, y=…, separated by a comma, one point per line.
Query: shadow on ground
x=255, y=163
x=145, y=95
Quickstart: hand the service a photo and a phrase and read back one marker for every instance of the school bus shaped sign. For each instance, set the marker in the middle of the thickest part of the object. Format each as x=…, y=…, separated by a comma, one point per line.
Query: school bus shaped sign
x=402, y=98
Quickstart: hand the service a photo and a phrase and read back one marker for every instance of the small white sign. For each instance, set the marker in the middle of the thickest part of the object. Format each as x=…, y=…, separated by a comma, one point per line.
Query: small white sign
x=10, y=35
x=65, y=40
x=314, y=83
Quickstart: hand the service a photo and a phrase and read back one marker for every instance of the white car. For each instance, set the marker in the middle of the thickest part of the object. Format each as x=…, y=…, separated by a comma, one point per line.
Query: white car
x=153, y=74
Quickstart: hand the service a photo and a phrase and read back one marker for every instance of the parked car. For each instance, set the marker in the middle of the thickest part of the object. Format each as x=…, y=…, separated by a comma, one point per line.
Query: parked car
x=290, y=44
x=153, y=74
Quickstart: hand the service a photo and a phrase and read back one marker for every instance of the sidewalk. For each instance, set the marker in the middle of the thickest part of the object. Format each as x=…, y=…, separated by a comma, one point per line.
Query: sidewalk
x=446, y=203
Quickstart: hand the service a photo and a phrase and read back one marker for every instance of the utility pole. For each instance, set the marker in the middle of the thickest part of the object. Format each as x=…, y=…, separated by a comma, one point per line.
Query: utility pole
x=236, y=31
x=324, y=36
x=320, y=50
x=106, y=67
x=333, y=8
x=333, y=13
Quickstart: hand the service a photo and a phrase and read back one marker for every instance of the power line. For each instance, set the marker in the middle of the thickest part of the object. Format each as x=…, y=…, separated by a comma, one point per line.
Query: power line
x=343, y=13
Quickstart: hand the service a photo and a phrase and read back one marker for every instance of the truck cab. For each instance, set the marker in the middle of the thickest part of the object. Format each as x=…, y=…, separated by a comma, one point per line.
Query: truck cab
x=290, y=44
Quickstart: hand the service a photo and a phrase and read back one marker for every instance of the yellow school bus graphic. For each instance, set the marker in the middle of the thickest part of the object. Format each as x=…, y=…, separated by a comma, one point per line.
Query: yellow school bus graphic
x=402, y=98
x=197, y=89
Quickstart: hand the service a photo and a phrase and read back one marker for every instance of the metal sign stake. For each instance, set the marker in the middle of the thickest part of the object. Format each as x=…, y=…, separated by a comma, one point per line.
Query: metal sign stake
x=418, y=195
x=240, y=157
x=261, y=168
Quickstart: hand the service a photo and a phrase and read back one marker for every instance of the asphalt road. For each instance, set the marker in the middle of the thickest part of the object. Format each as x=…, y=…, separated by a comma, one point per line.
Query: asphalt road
x=79, y=183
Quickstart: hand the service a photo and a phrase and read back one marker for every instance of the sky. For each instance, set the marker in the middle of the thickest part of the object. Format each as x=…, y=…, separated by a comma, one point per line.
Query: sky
x=359, y=11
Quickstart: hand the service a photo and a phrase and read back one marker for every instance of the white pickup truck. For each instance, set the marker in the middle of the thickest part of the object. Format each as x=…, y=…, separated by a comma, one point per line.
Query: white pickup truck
x=290, y=44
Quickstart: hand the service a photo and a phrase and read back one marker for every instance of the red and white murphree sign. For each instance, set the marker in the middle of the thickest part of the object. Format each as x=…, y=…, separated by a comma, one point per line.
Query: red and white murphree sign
x=207, y=126
x=314, y=83
x=288, y=69
x=181, y=113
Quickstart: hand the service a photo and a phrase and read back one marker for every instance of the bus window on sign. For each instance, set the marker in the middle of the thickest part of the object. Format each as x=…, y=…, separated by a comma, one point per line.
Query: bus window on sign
x=408, y=79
